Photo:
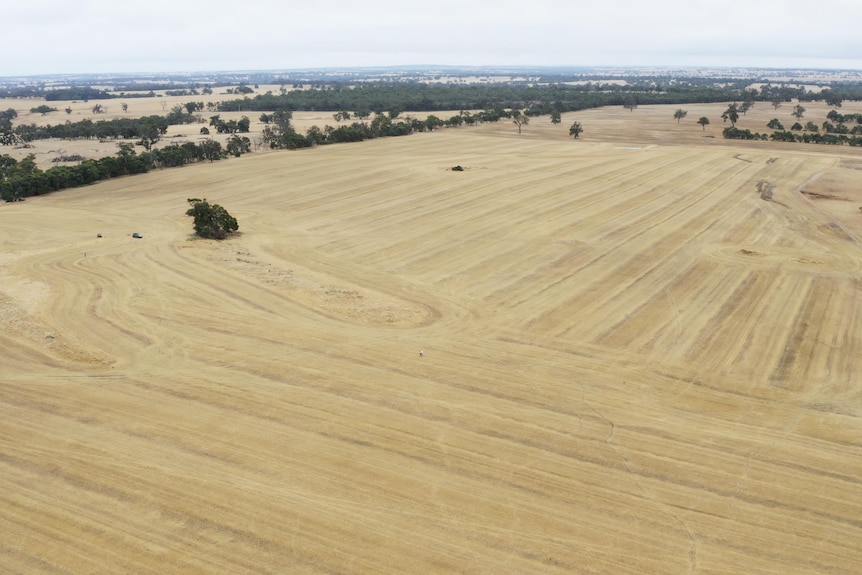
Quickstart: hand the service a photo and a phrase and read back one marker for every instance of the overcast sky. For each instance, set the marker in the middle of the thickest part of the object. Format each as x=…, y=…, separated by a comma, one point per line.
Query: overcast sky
x=92, y=36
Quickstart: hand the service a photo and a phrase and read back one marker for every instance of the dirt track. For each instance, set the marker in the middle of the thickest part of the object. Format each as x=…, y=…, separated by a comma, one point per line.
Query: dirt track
x=633, y=363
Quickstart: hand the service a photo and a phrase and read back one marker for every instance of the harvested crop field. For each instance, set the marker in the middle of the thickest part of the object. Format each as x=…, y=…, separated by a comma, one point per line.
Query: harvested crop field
x=635, y=360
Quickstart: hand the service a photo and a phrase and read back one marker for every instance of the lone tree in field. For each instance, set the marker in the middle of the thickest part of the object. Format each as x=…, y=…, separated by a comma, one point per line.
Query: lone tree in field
x=732, y=114
x=630, y=104
x=679, y=114
x=211, y=220
x=576, y=130
x=703, y=121
x=776, y=103
x=798, y=111
x=520, y=119
x=555, y=118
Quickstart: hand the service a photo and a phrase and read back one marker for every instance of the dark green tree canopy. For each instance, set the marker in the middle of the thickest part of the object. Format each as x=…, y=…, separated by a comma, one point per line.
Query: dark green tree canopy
x=732, y=114
x=43, y=109
x=211, y=220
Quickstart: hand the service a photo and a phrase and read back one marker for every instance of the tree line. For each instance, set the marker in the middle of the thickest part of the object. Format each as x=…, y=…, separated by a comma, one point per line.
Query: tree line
x=362, y=100
x=280, y=134
x=733, y=133
x=544, y=88
x=22, y=179
x=145, y=128
x=534, y=100
x=119, y=128
x=833, y=134
x=19, y=180
x=517, y=102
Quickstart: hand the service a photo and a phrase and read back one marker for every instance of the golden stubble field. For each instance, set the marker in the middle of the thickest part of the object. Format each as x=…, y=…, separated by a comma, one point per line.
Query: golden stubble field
x=633, y=363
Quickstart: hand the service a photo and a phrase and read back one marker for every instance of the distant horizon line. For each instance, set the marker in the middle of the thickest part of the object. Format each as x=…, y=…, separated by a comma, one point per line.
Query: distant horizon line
x=450, y=67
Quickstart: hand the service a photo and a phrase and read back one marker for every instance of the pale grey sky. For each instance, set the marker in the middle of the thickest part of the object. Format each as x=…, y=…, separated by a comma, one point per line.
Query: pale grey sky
x=82, y=36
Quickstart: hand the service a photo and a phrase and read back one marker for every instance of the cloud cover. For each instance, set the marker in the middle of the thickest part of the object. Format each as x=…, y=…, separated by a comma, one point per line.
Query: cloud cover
x=95, y=36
